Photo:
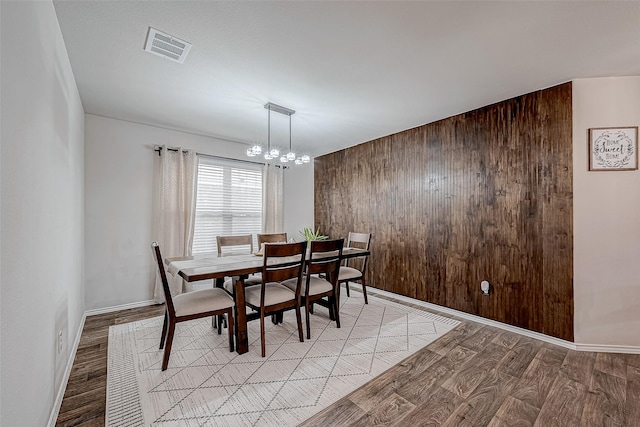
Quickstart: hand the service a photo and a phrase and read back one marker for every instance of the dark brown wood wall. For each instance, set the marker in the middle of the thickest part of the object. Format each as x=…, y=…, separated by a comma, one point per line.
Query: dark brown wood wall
x=485, y=195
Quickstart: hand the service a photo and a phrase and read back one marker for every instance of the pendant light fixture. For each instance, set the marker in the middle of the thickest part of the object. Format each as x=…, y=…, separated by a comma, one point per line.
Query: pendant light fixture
x=273, y=153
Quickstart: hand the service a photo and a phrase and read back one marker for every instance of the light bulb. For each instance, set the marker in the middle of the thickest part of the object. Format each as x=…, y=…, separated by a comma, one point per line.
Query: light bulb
x=250, y=152
x=291, y=155
x=284, y=159
x=274, y=153
x=267, y=156
x=305, y=159
x=298, y=161
x=257, y=149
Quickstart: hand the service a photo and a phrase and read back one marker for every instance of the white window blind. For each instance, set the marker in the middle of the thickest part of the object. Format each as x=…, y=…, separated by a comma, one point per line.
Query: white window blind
x=228, y=201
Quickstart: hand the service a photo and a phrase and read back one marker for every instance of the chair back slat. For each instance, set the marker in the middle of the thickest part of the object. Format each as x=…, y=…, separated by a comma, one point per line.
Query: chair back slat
x=163, y=275
x=240, y=244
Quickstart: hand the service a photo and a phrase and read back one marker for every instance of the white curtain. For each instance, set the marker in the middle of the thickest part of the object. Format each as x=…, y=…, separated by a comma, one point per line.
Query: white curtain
x=175, y=208
x=273, y=199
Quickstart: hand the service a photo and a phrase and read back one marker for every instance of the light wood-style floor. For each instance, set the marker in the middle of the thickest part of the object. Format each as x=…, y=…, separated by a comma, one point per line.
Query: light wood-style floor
x=474, y=376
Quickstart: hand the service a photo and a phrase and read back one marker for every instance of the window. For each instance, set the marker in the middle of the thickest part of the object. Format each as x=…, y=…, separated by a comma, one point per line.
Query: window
x=228, y=201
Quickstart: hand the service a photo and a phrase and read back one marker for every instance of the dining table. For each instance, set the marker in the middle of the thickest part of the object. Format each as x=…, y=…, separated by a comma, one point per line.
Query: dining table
x=209, y=265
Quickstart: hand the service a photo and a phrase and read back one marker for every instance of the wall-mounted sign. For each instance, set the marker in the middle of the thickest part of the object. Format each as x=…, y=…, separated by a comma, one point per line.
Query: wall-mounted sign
x=613, y=149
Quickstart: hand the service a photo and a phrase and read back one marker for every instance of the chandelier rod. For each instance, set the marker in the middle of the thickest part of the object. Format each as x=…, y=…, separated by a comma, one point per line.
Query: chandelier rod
x=290, y=133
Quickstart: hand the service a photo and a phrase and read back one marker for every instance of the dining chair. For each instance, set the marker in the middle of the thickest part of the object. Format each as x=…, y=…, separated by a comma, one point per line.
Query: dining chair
x=354, y=269
x=320, y=278
x=234, y=245
x=257, y=278
x=281, y=262
x=189, y=306
x=271, y=238
x=241, y=244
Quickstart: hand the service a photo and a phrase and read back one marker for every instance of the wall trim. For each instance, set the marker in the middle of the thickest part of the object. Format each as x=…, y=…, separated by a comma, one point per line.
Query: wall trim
x=608, y=348
x=57, y=404
x=119, y=307
x=599, y=348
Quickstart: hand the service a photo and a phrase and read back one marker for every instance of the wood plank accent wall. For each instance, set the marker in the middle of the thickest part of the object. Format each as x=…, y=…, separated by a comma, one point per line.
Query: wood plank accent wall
x=484, y=195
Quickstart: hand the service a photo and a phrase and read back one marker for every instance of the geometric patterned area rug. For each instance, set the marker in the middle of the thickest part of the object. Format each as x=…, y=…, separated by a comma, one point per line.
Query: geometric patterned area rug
x=207, y=385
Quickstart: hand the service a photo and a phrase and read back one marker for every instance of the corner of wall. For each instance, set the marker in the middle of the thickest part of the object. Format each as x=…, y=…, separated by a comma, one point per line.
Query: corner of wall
x=606, y=227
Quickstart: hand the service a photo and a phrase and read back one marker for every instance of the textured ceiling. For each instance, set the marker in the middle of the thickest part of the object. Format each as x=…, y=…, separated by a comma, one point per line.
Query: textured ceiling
x=353, y=71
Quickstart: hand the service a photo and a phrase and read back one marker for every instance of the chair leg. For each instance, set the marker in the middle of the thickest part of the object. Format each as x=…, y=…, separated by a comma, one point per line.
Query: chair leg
x=167, y=348
x=230, y=328
x=164, y=329
x=346, y=285
x=299, y=319
x=306, y=306
x=220, y=320
x=336, y=311
x=262, y=333
x=364, y=290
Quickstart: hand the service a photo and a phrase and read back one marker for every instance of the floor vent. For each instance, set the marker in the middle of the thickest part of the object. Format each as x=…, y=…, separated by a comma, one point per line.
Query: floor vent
x=166, y=45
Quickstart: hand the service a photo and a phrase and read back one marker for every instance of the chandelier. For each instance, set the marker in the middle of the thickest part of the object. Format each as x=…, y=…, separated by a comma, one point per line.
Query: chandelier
x=273, y=153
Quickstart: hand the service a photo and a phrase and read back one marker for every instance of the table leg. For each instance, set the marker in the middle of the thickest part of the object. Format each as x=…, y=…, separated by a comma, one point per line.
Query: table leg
x=242, y=340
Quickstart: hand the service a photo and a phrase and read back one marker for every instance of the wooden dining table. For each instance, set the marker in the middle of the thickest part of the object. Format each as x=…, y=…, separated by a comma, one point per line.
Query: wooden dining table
x=209, y=266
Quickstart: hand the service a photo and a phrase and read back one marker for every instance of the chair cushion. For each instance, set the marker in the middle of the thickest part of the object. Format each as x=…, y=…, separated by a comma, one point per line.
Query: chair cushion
x=202, y=301
x=274, y=293
x=254, y=279
x=348, y=273
x=250, y=281
x=316, y=285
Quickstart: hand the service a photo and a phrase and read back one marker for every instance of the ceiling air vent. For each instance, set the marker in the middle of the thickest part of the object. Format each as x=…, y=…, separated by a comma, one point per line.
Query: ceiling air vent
x=167, y=46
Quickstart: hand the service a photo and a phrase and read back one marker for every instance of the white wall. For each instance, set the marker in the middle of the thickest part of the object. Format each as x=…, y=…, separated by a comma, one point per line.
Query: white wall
x=606, y=210
x=298, y=200
x=120, y=167
x=42, y=211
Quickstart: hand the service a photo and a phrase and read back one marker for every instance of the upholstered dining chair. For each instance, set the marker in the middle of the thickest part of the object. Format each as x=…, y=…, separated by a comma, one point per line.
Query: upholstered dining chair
x=320, y=279
x=262, y=239
x=354, y=269
x=234, y=245
x=271, y=238
x=189, y=306
x=241, y=244
x=281, y=262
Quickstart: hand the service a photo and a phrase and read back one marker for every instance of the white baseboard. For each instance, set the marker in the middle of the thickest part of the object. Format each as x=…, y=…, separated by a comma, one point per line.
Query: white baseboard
x=119, y=307
x=601, y=348
x=67, y=372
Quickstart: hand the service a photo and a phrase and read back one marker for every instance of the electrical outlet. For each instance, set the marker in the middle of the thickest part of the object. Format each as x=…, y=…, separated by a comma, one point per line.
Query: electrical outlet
x=485, y=287
x=60, y=341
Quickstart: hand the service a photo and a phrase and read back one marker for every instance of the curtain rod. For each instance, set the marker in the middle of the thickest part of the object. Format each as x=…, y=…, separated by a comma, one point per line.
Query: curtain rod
x=158, y=149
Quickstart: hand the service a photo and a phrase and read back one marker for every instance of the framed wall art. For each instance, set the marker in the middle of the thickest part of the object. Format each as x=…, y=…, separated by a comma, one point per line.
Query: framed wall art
x=613, y=149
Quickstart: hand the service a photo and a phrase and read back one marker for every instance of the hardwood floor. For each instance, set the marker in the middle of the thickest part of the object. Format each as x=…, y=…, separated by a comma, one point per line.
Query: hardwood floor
x=85, y=396
x=476, y=375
